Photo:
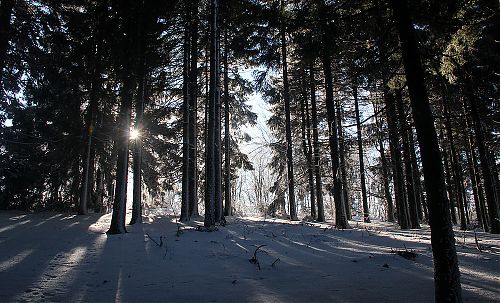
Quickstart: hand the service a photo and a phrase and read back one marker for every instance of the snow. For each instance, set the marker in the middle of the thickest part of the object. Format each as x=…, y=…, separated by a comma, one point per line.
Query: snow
x=59, y=257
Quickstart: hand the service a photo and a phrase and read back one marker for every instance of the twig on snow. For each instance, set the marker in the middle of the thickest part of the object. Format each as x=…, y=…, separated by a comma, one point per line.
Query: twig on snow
x=254, y=260
x=275, y=261
x=478, y=246
x=158, y=244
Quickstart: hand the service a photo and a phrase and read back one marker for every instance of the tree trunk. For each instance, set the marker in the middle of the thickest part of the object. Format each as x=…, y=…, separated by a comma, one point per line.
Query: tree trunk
x=219, y=209
x=410, y=192
x=317, y=165
x=472, y=174
x=193, y=114
x=488, y=178
x=99, y=205
x=449, y=183
x=457, y=176
x=476, y=179
x=227, y=136
x=6, y=8
x=366, y=210
x=419, y=195
x=122, y=140
x=92, y=111
x=343, y=172
x=185, y=215
x=288, y=128
x=139, y=112
x=394, y=143
x=86, y=167
x=385, y=173
x=306, y=147
x=340, y=213
x=210, y=161
x=120, y=196
x=446, y=272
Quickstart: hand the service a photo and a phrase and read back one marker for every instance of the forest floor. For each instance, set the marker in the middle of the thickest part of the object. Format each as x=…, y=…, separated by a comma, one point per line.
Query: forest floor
x=56, y=257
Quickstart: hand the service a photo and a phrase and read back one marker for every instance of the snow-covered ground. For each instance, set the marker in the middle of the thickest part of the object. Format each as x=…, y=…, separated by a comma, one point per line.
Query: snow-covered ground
x=66, y=258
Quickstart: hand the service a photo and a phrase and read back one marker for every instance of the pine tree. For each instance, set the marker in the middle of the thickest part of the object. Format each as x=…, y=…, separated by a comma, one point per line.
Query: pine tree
x=210, y=161
x=446, y=272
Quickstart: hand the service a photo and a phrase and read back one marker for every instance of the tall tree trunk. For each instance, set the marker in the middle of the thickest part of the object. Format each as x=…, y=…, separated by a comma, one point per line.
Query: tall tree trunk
x=99, y=205
x=137, y=158
x=343, y=169
x=144, y=11
x=394, y=143
x=340, y=213
x=306, y=147
x=385, y=172
x=488, y=178
x=120, y=196
x=211, y=132
x=288, y=128
x=95, y=91
x=366, y=210
x=122, y=141
x=476, y=179
x=457, y=176
x=193, y=113
x=419, y=195
x=219, y=209
x=6, y=8
x=185, y=215
x=446, y=272
x=449, y=183
x=86, y=168
x=227, y=136
x=317, y=164
x=410, y=192
x=472, y=174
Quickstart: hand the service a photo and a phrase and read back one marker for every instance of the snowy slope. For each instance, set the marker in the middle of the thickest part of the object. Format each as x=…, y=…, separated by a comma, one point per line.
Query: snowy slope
x=60, y=258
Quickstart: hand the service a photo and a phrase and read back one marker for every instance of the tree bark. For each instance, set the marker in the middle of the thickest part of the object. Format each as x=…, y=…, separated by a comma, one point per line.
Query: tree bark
x=340, y=213
x=219, y=209
x=476, y=179
x=86, y=168
x=385, y=173
x=410, y=192
x=210, y=162
x=92, y=111
x=139, y=112
x=366, y=210
x=288, y=128
x=449, y=183
x=227, y=136
x=488, y=178
x=446, y=272
x=317, y=162
x=343, y=169
x=457, y=176
x=122, y=140
x=472, y=174
x=120, y=196
x=185, y=215
x=193, y=113
x=394, y=143
x=419, y=195
x=307, y=150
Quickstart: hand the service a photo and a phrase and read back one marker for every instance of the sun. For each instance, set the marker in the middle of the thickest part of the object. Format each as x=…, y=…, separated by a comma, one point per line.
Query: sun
x=134, y=134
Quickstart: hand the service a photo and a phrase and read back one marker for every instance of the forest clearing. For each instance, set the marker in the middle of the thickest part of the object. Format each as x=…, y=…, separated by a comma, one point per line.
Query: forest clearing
x=56, y=257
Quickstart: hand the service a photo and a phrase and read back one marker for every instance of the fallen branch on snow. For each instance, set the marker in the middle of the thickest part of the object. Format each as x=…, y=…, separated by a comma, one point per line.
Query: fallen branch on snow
x=254, y=259
x=478, y=246
x=158, y=244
